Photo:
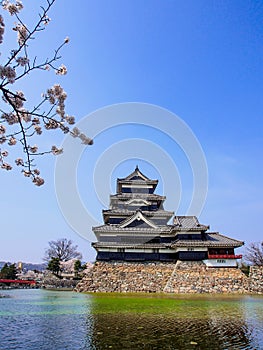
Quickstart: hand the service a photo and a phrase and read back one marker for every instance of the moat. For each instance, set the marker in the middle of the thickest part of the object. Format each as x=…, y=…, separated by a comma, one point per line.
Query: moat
x=41, y=319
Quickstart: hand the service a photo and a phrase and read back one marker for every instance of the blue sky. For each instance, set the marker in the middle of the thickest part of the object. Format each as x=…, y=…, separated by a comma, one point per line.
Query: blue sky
x=201, y=60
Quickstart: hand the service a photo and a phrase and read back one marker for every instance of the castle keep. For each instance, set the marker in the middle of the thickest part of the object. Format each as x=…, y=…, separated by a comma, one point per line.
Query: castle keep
x=136, y=229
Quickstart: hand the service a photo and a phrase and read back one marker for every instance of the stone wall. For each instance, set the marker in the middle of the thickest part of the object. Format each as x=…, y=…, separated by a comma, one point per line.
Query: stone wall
x=52, y=282
x=181, y=277
x=195, y=277
x=256, y=279
x=126, y=277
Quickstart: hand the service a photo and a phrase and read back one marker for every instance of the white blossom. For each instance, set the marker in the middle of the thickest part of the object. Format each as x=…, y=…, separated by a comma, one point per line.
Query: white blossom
x=27, y=173
x=10, y=118
x=2, y=139
x=33, y=149
x=8, y=72
x=38, y=129
x=25, y=116
x=35, y=121
x=62, y=70
x=38, y=181
x=51, y=124
x=56, y=93
x=56, y=151
x=6, y=166
x=75, y=132
x=70, y=119
x=22, y=61
x=18, y=99
x=85, y=140
x=46, y=20
x=22, y=33
x=2, y=29
x=19, y=161
x=12, y=141
x=12, y=8
x=4, y=154
x=2, y=129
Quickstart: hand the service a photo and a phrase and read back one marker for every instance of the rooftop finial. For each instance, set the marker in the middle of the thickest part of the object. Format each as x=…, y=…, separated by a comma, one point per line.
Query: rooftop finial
x=137, y=168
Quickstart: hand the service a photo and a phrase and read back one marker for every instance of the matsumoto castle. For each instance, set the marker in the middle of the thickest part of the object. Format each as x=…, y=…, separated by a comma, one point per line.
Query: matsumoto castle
x=136, y=229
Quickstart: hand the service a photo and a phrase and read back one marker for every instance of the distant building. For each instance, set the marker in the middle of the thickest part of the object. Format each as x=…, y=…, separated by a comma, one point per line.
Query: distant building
x=136, y=229
x=20, y=265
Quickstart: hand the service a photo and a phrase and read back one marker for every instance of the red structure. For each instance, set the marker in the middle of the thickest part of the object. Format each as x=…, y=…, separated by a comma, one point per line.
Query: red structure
x=6, y=281
x=224, y=256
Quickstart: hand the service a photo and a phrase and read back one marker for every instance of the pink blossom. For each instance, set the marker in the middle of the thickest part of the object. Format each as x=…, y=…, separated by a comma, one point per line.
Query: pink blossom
x=6, y=166
x=27, y=173
x=70, y=119
x=22, y=61
x=26, y=116
x=4, y=153
x=46, y=20
x=19, y=161
x=2, y=139
x=2, y=129
x=56, y=151
x=75, y=132
x=12, y=141
x=85, y=140
x=33, y=149
x=12, y=8
x=62, y=70
x=35, y=121
x=38, y=129
x=9, y=73
x=52, y=124
x=22, y=33
x=2, y=28
x=10, y=118
x=38, y=181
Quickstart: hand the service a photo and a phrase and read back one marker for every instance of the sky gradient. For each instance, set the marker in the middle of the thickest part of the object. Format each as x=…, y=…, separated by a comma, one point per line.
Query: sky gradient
x=201, y=60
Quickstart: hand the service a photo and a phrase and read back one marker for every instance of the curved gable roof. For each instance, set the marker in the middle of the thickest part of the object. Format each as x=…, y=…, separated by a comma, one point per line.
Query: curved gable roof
x=137, y=216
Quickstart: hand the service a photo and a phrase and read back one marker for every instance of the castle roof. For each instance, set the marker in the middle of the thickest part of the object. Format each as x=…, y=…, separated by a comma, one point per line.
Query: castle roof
x=117, y=228
x=188, y=223
x=148, y=196
x=135, y=178
x=213, y=239
x=127, y=212
x=136, y=175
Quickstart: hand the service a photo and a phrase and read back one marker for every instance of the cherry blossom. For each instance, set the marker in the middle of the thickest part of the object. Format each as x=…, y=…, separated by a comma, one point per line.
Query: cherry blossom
x=20, y=119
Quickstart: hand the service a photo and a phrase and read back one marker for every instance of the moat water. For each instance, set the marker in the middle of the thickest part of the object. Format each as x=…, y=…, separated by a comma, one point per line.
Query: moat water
x=40, y=319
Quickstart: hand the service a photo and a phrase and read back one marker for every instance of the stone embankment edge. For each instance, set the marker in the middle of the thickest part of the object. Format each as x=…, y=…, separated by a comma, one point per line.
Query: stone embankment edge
x=169, y=278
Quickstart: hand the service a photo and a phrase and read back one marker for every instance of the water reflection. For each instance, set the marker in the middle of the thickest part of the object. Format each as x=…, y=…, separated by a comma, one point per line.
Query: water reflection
x=44, y=320
x=175, y=324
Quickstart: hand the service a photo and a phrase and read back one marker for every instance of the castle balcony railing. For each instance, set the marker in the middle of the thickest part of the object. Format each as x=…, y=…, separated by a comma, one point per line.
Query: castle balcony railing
x=224, y=256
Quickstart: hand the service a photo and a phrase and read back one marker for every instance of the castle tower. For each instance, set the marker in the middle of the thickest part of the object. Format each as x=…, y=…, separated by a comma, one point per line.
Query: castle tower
x=136, y=229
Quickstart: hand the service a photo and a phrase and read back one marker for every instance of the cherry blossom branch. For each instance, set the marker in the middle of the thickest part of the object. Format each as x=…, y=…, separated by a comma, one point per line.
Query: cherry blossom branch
x=18, y=123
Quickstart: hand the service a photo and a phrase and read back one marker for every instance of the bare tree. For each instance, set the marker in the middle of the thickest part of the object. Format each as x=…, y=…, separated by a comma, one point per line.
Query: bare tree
x=63, y=250
x=254, y=253
x=21, y=121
